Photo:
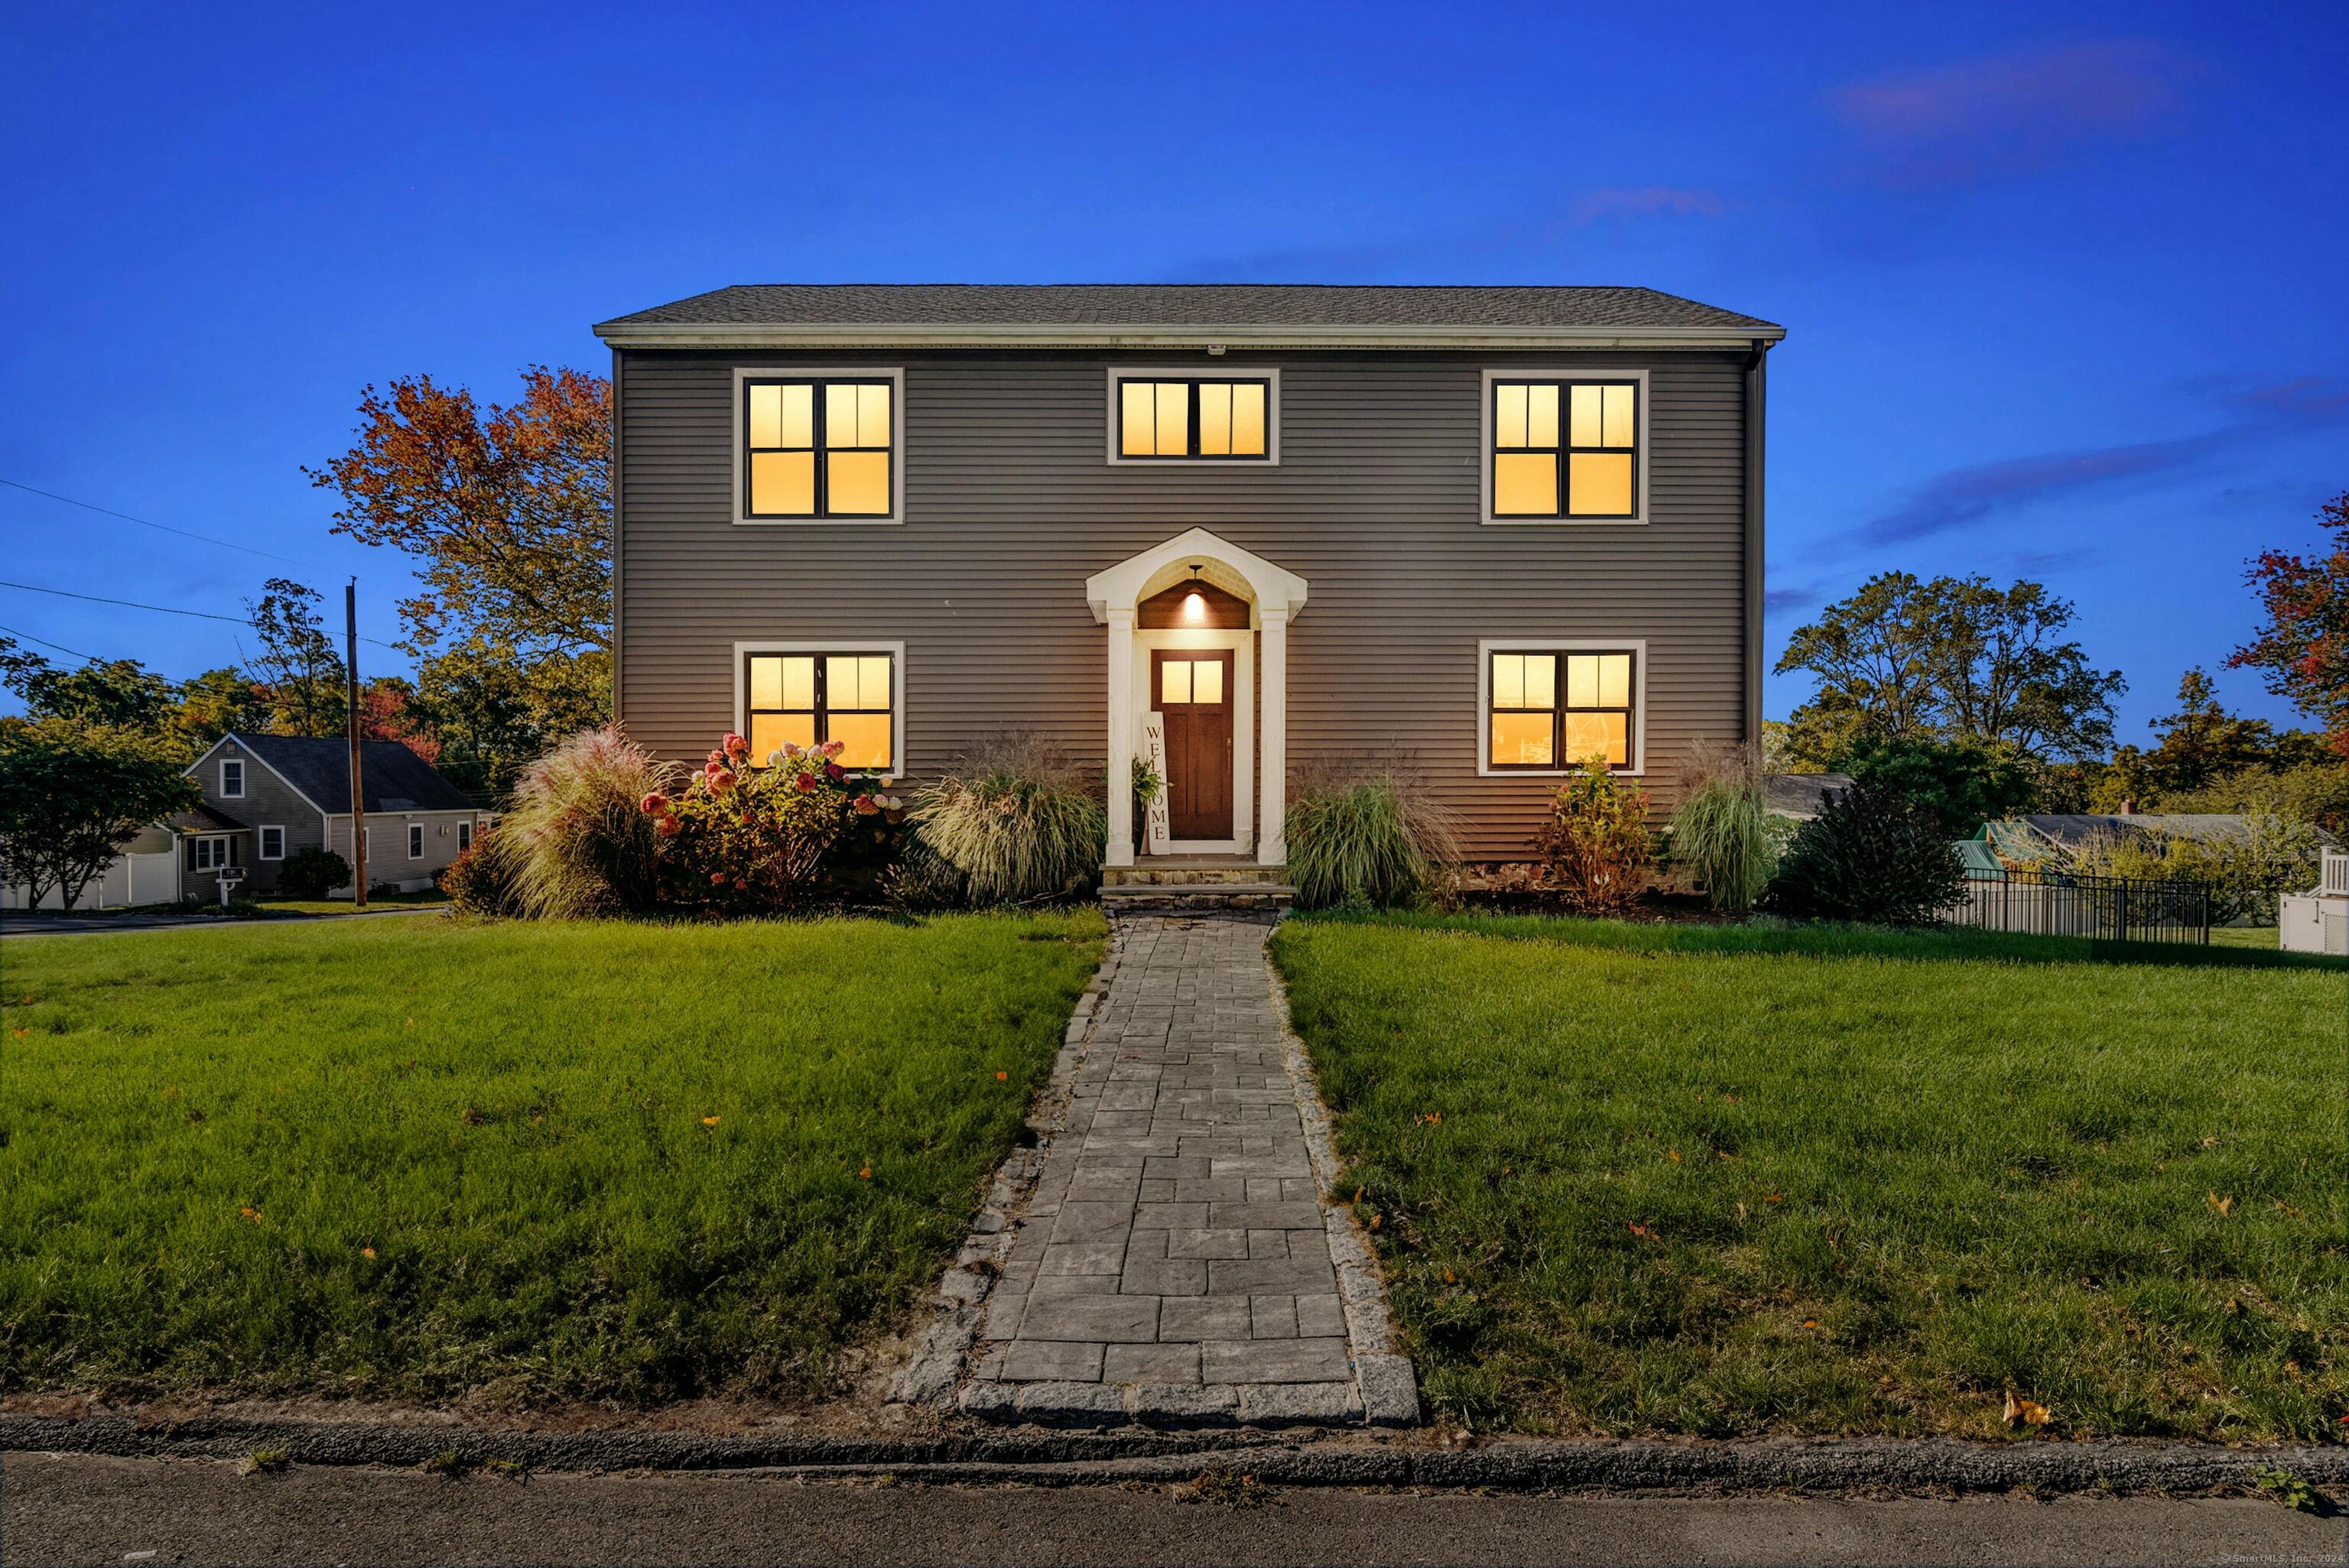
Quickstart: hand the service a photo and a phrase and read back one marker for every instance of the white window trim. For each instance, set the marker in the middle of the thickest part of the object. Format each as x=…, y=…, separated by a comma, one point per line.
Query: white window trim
x=1643, y=433
x=260, y=841
x=226, y=763
x=741, y=720
x=212, y=852
x=1269, y=374
x=1487, y=647
x=415, y=840
x=464, y=836
x=894, y=374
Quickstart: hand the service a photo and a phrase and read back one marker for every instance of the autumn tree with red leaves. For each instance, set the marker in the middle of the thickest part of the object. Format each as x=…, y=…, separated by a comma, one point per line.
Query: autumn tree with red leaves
x=2303, y=651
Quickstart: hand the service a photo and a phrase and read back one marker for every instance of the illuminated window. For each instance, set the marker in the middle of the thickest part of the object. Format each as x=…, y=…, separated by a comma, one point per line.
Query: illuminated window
x=813, y=698
x=1566, y=448
x=1220, y=421
x=818, y=449
x=1557, y=709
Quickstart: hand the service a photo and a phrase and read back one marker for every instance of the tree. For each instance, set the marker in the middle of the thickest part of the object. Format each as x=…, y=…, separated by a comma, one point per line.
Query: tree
x=1954, y=658
x=297, y=667
x=508, y=511
x=2303, y=650
x=72, y=794
x=492, y=712
x=217, y=702
x=2202, y=741
x=387, y=711
x=1963, y=782
x=120, y=692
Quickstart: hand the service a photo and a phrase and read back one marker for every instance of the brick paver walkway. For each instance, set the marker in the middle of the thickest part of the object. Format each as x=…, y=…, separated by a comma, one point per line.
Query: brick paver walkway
x=1175, y=1242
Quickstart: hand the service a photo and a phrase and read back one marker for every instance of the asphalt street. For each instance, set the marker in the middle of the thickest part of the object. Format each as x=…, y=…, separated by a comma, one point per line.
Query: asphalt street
x=80, y=1509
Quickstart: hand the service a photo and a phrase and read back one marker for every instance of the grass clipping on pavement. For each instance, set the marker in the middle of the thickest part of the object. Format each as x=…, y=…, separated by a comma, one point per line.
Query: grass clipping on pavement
x=428, y=1159
x=1631, y=1180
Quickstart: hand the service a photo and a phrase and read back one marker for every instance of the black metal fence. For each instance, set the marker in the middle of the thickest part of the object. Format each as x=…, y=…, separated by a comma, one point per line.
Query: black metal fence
x=2074, y=903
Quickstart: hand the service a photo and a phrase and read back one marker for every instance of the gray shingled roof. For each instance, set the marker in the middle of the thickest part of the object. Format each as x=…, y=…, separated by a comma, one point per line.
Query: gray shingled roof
x=1798, y=795
x=1188, y=304
x=397, y=779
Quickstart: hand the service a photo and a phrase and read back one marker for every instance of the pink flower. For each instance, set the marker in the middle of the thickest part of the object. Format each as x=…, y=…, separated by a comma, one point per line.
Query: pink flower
x=790, y=749
x=716, y=759
x=721, y=780
x=668, y=826
x=807, y=783
x=735, y=744
x=835, y=748
x=653, y=804
x=834, y=771
x=865, y=805
x=717, y=879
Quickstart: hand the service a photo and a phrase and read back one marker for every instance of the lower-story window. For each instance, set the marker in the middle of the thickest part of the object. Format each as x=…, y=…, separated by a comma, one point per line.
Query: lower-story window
x=211, y=854
x=464, y=836
x=273, y=843
x=808, y=697
x=1554, y=708
x=415, y=840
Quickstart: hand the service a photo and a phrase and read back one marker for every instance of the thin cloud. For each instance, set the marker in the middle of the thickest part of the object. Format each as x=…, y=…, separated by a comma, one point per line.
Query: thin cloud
x=2013, y=113
x=2057, y=560
x=1778, y=599
x=1965, y=498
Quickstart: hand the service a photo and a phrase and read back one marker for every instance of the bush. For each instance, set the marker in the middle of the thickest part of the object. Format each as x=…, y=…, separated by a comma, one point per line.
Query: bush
x=1596, y=849
x=579, y=844
x=1721, y=828
x=1871, y=855
x=1963, y=782
x=2246, y=874
x=1376, y=837
x=480, y=880
x=740, y=839
x=313, y=873
x=1017, y=819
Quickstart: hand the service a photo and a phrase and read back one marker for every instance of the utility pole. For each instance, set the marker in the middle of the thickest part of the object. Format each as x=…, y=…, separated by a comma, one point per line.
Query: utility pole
x=351, y=700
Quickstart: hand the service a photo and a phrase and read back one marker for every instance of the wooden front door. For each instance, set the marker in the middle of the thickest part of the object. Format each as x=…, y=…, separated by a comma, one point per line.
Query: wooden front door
x=1193, y=689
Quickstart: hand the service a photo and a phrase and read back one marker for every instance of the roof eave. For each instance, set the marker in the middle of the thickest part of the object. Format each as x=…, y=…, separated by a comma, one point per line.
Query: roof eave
x=625, y=333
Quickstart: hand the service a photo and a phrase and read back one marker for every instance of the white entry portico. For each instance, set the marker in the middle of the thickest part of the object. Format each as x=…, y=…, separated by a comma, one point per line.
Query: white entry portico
x=1274, y=597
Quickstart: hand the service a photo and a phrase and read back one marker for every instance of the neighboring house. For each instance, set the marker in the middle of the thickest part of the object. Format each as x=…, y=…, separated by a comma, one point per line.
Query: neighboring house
x=1798, y=795
x=2037, y=840
x=1269, y=527
x=271, y=796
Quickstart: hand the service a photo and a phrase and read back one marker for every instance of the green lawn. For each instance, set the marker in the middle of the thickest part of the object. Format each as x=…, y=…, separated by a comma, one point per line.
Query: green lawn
x=1675, y=1179
x=423, y=1158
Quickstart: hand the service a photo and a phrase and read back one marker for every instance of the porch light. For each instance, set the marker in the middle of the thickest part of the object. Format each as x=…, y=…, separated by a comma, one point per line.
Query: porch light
x=1195, y=603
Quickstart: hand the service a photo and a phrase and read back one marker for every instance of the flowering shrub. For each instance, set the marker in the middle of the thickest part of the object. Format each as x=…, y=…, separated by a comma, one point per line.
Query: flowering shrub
x=480, y=880
x=738, y=839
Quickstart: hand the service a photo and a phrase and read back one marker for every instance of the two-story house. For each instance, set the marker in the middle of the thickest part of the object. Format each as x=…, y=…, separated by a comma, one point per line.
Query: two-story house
x=1254, y=527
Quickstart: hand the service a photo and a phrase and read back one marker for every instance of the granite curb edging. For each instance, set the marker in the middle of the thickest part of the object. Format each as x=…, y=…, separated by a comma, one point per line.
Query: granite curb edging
x=1043, y=1458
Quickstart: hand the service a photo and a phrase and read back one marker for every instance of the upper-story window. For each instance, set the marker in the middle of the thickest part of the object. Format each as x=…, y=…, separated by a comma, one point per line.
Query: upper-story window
x=1157, y=417
x=808, y=697
x=818, y=447
x=232, y=777
x=1567, y=449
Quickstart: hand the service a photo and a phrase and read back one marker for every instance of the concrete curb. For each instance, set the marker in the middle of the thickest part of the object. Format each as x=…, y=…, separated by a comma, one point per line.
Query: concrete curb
x=1043, y=1458
x=932, y=1377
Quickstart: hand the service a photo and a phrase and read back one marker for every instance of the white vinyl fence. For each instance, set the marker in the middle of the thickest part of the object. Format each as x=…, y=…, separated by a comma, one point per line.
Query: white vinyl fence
x=130, y=880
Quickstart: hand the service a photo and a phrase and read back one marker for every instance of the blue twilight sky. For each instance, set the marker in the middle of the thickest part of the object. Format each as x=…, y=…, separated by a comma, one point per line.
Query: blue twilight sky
x=2065, y=284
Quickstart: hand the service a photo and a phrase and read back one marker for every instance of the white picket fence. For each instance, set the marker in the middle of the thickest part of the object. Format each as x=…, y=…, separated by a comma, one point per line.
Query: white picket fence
x=130, y=880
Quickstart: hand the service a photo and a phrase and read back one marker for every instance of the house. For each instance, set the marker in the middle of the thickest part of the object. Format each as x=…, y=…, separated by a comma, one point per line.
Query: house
x=1799, y=796
x=1253, y=529
x=2057, y=838
x=266, y=797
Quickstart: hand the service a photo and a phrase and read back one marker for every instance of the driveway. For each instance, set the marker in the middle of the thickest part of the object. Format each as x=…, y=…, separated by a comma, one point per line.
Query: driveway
x=82, y=1508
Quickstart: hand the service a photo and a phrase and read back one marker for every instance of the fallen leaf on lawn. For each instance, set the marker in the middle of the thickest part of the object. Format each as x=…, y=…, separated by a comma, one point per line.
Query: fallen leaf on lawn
x=1636, y=1229
x=708, y=1121
x=411, y=1023
x=19, y=1034
x=2024, y=1412
x=2210, y=1143
x=1741, y=1210
x=1775, y=1198
x=367, y=1252
x=865, y=1174
x=1002, y=1077
x=1810, y=1322
x=1674, y=1155
x=2285, y=1207
x=248, y=1213
x=1374, y=1220
x=1448, y=1279
x=2217, y=1205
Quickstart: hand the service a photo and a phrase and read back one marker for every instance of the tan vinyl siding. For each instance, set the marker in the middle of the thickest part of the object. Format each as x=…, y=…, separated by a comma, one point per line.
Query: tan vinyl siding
x=1010, y=505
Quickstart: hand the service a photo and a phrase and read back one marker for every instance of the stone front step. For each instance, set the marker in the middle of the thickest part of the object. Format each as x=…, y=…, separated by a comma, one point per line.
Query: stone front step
x=1201, y=873
x=1259, y=897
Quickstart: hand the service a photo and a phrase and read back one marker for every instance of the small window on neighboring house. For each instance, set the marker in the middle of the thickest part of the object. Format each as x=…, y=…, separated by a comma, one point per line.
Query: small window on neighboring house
x=415, y=840
x=818, y=449
x=1208, y=421
x=1565, y=449
x=813, y=698
x=1558, y=710
x=464, y=836
x=273, y=843
x=232, y=777
x=211, y=854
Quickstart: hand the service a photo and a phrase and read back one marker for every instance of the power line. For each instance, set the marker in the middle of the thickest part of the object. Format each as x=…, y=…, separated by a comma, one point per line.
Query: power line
x=167, y=528
x=159, y=609
x=60, y=647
